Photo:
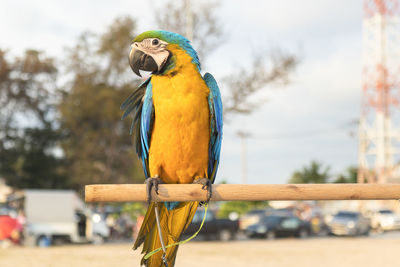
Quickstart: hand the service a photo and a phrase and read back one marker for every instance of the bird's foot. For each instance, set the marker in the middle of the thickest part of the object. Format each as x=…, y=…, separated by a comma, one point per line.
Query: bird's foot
x=150, y=182
x=207, y=185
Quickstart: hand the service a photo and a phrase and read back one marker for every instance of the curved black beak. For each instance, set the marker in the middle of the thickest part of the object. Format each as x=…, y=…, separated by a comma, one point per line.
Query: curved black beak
x=139, y=60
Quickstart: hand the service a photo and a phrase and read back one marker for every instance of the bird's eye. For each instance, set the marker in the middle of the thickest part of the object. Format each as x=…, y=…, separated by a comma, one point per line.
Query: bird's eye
x=155, y=42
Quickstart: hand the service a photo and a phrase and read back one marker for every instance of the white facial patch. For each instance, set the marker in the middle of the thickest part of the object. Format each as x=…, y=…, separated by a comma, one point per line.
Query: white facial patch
x=160, y=58
x=155, y=48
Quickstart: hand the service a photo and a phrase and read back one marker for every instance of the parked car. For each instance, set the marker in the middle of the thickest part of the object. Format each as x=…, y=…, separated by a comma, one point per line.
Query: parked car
x=279, y=226
x=349, y=223
x=213, y=228
x=10, y=230
x=385, y=220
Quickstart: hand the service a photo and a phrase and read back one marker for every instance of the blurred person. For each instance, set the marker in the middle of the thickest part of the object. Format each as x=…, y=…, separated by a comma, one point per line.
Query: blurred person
x=21, y=217
x=111, y=223
x=316, y=224
x=137, y=226
x=110, y=220
x=120, y=225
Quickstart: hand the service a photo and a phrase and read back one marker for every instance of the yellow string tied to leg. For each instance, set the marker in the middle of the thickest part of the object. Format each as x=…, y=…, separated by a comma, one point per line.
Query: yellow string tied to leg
x=151, y=253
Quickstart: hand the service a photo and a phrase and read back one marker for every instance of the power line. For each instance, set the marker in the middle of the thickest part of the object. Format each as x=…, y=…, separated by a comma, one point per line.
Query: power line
x=307, y=133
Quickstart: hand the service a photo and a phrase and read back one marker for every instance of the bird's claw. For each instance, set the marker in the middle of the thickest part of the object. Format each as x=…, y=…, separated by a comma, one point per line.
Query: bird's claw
x=150, y=182
x=207, y=185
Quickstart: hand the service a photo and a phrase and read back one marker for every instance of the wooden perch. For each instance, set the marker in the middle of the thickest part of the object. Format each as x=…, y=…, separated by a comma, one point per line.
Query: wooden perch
x=246, y=192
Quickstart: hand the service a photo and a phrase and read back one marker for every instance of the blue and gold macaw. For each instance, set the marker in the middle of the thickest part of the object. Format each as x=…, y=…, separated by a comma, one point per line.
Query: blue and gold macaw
x=177, y=130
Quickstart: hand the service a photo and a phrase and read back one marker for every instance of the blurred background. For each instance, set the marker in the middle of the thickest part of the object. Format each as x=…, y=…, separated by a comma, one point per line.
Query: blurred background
x=310, y=94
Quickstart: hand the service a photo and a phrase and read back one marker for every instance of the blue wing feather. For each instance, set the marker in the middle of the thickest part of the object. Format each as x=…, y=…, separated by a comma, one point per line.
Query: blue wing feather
x=141, y=102
x=216, y=124
x=146, y=123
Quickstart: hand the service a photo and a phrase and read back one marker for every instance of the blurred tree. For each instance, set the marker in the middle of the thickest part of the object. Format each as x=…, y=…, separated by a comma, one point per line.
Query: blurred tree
x=195, y=20
x=313, y=174
x=27, y=86
x=30, y=163
x=98, y=145
x=198, y=21
x=350, y=176
x=245, y=83
x=27, y=128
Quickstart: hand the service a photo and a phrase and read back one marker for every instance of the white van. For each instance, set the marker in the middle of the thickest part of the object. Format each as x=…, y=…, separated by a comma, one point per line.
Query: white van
x=58, y=216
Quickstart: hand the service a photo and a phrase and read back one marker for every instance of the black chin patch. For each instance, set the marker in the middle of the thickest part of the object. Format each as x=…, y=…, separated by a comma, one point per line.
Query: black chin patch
x=141, y=61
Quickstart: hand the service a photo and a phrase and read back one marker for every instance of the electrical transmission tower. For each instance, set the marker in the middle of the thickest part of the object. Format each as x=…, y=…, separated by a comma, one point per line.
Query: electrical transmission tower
x=379, y=132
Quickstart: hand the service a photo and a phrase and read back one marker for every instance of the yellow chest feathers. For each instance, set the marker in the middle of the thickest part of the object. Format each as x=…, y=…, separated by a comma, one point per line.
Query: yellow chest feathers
x=180, y=138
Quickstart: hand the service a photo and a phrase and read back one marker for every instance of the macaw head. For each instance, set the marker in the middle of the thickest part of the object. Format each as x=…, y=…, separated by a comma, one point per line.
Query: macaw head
x=159, y=51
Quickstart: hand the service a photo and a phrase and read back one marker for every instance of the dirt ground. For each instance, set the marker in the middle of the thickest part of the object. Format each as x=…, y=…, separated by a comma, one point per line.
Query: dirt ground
x=326, y=252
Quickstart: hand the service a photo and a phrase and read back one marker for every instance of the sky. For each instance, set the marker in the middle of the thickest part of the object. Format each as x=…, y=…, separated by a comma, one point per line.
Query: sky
x=310, y=119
